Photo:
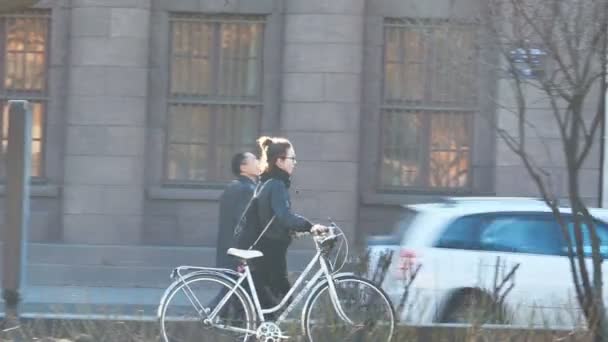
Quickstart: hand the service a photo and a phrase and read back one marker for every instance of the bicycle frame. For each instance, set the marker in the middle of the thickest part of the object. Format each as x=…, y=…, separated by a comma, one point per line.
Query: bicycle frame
x=314, y=282
x=323, y=271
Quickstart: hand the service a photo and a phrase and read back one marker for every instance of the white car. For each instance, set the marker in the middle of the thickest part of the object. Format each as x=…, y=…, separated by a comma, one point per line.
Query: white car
x=464, y=249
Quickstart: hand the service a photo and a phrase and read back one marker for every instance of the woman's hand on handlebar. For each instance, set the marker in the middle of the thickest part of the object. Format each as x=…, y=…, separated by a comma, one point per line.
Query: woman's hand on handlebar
x=319, y=229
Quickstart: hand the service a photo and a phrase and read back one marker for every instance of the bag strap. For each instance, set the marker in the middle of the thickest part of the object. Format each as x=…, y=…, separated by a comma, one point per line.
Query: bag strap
x=262, y=233
x=255, y=195
x=258, y=189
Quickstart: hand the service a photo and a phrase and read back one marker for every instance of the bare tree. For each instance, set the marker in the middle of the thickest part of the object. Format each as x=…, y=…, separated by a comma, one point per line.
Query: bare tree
x=557, y=50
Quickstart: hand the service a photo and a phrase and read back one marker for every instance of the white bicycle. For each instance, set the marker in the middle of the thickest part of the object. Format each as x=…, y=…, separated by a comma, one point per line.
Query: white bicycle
x=212, y=304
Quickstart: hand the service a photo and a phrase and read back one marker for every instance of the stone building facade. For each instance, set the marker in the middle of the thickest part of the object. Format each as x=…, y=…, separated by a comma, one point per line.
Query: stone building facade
x=140, y=104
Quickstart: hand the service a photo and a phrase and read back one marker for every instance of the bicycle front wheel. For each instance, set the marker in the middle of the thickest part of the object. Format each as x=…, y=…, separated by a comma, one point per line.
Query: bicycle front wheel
x=184, y=316
x=368, y=308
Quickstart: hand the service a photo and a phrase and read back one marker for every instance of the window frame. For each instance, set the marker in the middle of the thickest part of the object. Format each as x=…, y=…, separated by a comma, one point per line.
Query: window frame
x=476, y=232
x=525, y=215
x=490, y=216
x=598, y=223
x=42, y=96
x=425, y=110
x=213, y=102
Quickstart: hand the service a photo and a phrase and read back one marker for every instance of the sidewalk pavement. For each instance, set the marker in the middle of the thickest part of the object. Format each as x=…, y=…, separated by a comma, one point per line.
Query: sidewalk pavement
x=124, y=303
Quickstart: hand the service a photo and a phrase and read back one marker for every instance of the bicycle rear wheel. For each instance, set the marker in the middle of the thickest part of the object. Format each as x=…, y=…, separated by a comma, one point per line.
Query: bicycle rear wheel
x=183, y=314
x=366, y=305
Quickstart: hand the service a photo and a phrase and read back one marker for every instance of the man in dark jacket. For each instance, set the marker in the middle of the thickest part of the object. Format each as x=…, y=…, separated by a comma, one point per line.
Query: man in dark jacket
x=233, y=202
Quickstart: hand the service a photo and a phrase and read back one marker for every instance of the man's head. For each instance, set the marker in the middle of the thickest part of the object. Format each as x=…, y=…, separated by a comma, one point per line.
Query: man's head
x=245, y=164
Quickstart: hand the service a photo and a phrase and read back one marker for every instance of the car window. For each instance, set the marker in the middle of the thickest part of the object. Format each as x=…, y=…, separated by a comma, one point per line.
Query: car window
x=520, y=233
x=602, y=232
x=462, y=233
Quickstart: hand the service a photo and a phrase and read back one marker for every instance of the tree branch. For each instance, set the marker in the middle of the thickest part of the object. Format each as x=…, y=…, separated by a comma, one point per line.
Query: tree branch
x=554, y=50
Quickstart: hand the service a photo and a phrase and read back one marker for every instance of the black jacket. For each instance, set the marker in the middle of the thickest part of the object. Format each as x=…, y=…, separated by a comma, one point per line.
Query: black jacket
x=232, y=204
x=274, y=199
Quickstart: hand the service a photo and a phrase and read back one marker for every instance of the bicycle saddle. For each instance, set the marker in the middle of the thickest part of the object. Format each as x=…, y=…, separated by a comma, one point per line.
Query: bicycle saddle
x=245, y=254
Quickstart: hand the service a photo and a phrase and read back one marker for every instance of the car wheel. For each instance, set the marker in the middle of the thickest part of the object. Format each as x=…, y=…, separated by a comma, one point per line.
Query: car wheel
x=473, y=307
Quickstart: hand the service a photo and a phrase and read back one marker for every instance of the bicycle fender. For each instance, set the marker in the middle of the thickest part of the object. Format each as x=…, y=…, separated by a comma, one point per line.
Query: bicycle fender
x=217, y=272
x=319, y=285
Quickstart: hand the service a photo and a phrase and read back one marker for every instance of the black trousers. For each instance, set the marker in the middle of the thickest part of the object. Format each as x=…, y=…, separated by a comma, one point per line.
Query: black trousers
x=270, y=272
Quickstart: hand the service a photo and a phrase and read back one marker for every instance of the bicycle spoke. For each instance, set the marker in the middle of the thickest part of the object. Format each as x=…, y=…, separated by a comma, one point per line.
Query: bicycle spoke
x=366, y=306
x=183, y=319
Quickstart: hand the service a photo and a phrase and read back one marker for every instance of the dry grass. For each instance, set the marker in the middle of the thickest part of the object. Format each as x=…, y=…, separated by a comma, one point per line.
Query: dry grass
x=120, y=331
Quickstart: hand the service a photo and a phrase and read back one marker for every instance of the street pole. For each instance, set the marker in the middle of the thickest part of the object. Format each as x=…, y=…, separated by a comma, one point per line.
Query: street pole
x=18, y=164
x=603, y=196
x=604, y=149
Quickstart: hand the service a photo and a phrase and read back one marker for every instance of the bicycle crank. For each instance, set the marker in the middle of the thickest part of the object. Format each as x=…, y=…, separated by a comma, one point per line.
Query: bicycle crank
x=270, y=332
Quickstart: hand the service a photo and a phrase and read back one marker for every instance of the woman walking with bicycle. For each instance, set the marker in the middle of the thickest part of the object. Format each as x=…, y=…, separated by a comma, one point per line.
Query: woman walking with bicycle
x=278, y=161
x=337, y=306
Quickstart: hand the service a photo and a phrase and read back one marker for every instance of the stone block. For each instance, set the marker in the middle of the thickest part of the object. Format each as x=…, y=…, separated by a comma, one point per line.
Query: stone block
x=325, y=6
x=315, y=57
x=327, y=176
x=160, y=40
x=161, y=208
x=155, y=147
x=340, y=206
x=89, y=80
x=371, y=83
x=130, y=22
x=112, y=3
x=101, y=229
x=484, y=179
x=225, y=6
x=83, y=199
x=57, y=85
x=327, y=146
x=59, y=40
x=194, y=231
x=466, y=9
x=125, y=141
x=303, y=87
x=106, y=110
x=320, y=117
x=410, y=8
x=176, y=6
x=258, y=6
x=105, y=140
x=40, y=226
x=589, y=180
x=90, y=22
x=202, y=209
x=85, y=140
x=126, y=81
x=116, y=51
x=515, y=181
x=342, y=87
x=158, y=107
x=305, y=202
x=55, y=118
x=160, y=230
x=374, y=31
x=123, y=200
x=541, y=123
x=53, y=157
x=593, y=157
x=543, y=152
x=102, y=170
x=323, y=28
